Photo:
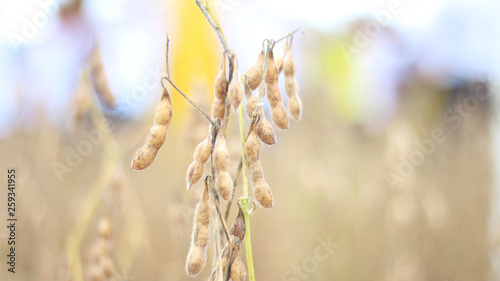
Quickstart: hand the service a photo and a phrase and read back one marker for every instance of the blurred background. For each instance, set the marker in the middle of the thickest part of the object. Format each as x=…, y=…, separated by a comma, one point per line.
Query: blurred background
x=392, y=173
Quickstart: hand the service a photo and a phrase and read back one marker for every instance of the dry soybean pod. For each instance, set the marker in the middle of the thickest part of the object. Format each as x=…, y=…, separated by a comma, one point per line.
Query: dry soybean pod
x=280, y=118
x=273, y=93
x=238, y=270
x=235, y=89
x=218, y=109
x=195, y=170
x=252, y=100
x=201, y=235
x=295, y=107
x=223, y=180
x=272, y=69
x=265, y=130
x=157, y=134
x=261, y=189
x=291, y=86
x=221, y=83
x=254, y=73
x=279, y=60
x=220, y=91
x=252, y=147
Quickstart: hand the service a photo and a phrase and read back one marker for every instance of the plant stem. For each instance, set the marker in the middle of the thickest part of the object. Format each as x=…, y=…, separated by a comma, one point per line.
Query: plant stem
x=235, y=183
x=244, y=200
x=188, y=100
x=207, y=12
x=166, y=57
x=286, y=36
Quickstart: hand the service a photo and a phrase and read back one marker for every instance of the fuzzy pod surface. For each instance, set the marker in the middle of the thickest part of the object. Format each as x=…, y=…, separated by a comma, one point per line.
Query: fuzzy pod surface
x=157, y=134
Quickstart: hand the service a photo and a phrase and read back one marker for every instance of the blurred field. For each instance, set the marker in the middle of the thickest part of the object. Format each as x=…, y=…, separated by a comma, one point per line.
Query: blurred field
x=328, y=181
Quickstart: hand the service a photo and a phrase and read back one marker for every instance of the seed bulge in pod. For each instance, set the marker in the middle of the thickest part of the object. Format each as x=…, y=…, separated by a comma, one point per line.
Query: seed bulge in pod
x=195, y=171
x=252, y=147
x=195, y=260
x=254, y=73
x=255, y=172
x=221, y=83
x=202, y=211
x=252, y=103
x=218, y=109
x=263, y=194
x=238, y=271
x=221, y=153
x=265, y=130
x=157, y=136
x=280, y=118
x=201, y=236
x=295, y=108
x=272, y=70
x=224, y=184
x=235, y=90
x=202, y=151
x=143, y=158
x=291, y=87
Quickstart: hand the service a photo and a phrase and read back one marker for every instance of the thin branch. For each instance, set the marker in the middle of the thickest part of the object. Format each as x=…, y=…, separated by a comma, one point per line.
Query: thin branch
x=286, y=36
x=224, y=225
x=227, y=109
x=186, y=98
x=211, y=19
x=235, y=183
x=215, y=197
x=167, y=64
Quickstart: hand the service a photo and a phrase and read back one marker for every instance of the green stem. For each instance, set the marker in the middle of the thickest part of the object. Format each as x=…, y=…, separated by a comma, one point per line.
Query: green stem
x=244, y=200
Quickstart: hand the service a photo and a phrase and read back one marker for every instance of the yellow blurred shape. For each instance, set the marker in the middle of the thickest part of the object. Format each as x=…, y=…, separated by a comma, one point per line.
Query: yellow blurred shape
x=340, y=72
x=194, y=57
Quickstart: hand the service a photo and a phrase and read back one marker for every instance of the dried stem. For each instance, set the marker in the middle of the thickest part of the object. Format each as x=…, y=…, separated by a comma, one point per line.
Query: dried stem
x=224, y=225
x=166, y=57
x=227, y=110
x=186, y=98
x=207, y=12
x=213, y=191
x=235, y=183
x=286, y=36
